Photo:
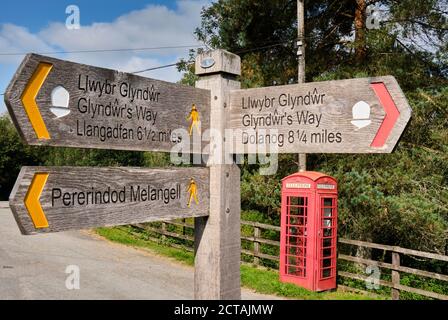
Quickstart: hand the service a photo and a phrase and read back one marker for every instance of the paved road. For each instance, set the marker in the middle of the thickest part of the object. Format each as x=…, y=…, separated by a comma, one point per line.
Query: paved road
x=33, y=267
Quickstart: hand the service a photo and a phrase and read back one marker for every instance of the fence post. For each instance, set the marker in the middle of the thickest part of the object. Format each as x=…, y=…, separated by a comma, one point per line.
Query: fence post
x=163, y=237
x=395, y=276
x=257, y=234
x=218, y=236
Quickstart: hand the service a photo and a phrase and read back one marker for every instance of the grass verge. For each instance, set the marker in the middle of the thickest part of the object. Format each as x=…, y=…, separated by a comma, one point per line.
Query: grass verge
x=260, y=280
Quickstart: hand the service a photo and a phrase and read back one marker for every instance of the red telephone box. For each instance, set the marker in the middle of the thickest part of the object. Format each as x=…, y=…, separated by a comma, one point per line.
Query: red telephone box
x=308, y=235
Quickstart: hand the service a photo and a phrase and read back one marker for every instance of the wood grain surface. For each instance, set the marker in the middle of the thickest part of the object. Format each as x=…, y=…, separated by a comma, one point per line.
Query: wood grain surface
x=218, y=236
x=133, y=207
x=314, y=117
x=167, y=107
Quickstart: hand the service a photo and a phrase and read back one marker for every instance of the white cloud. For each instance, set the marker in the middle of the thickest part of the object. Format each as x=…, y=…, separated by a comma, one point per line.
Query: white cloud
x=153, y=26
x=18, y=39
x=136, y=64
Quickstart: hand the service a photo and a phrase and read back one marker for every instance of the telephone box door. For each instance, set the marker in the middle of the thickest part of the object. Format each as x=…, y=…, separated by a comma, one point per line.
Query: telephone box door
x=296, y=257
x=326, y=242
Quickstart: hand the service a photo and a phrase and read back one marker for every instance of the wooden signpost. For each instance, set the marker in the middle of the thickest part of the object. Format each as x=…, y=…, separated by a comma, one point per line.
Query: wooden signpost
x=60, y=103
x=51, y=199
x=344, y=116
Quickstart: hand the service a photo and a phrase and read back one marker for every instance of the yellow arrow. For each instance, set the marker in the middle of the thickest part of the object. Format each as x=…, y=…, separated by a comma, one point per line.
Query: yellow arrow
x=29, y=99
x=32, y=202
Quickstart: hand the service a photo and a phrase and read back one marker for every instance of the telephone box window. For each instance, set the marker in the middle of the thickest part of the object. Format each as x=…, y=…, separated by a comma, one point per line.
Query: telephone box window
x=329, y=238
x=296, y=236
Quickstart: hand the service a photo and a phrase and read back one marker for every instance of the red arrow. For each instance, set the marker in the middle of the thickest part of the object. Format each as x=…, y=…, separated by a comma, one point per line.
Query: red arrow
x=391, y=117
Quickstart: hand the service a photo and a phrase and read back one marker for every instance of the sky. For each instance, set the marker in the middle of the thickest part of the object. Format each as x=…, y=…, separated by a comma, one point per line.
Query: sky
x=40, y=26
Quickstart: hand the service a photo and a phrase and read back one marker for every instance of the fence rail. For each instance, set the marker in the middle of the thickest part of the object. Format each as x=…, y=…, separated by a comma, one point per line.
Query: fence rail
x=395, y=267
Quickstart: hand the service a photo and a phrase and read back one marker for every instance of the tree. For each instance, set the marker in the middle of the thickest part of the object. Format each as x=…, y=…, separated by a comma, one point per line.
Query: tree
x=411, y=36
x=360, y=31
x=13, y=155
x=402, y=198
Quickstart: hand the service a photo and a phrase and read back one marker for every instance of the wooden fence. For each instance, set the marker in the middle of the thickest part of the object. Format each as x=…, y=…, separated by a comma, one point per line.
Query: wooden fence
x=256, y=239
x=395, y=267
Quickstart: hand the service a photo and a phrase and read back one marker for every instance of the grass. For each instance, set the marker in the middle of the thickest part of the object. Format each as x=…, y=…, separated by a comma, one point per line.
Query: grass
x=266, y=281
x=123, y=236
x=258, y=279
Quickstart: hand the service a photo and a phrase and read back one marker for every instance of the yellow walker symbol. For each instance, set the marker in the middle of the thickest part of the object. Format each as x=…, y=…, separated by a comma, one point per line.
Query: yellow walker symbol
x=193, y=191
x=195, y=119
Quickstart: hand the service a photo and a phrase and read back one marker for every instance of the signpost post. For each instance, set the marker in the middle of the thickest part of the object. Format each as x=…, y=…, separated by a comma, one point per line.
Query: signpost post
x=365, y=115
x=51, y=199
x=218, y=236
x=60, y=103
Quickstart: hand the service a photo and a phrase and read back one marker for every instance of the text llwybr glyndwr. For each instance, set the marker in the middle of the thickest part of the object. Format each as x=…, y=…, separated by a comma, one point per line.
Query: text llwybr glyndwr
x=283, y=110
x=99, y=103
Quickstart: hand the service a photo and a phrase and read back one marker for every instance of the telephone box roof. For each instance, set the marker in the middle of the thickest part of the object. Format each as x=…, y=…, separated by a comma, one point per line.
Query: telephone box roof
x=313, y=175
